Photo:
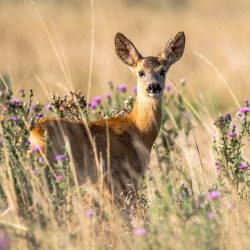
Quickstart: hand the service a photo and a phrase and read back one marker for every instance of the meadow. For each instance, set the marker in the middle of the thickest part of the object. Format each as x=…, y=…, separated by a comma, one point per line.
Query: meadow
x=195, y=193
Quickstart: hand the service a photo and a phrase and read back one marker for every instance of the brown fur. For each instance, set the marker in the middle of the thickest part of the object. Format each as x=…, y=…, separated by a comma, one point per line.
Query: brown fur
x=130, y=137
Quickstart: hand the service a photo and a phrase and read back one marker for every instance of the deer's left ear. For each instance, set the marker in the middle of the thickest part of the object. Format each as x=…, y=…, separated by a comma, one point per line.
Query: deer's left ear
x=174, y=49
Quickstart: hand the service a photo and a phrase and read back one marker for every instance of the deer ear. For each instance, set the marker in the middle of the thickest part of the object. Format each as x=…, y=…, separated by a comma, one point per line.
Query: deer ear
x=126, y=50
x=174, y=49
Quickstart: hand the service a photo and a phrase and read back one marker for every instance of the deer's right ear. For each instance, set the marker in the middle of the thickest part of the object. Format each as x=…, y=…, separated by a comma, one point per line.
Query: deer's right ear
x=126, y=50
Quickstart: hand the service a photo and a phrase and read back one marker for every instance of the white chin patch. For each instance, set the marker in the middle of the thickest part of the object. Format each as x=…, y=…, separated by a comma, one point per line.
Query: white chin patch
x=155, y=95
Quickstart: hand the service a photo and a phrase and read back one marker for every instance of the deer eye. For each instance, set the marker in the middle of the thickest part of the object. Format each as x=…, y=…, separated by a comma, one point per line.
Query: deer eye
x=141, y=73
x=163, y=72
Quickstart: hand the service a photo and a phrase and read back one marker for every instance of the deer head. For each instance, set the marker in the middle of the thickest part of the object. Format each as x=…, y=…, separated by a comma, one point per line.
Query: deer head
x=150, y=71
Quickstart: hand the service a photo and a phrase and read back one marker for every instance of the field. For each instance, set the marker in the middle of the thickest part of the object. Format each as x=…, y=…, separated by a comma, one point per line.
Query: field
x=195, y=193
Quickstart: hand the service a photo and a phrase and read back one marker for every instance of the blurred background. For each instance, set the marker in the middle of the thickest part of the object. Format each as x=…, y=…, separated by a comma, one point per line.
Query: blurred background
x=46, y=45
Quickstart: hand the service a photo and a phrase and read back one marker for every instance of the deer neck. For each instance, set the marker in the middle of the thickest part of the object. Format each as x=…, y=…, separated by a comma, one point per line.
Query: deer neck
x=146, y=115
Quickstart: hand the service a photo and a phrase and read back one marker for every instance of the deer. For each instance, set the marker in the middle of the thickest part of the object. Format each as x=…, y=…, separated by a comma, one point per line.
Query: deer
x=120, y=145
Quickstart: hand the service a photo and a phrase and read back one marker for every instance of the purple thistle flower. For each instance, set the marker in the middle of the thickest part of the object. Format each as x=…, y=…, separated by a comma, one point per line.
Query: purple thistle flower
x=93, y=105
x=59, y=178
x=244, y=110
x=97, y=100
x=48, y=107
x=135, y=90
x=5, y=243
x=243, y=166
x=36, y=148
x=122, y=88
x=108, y=97
x=39, y=115
x=140, y=232
x=32, y=107
x=217, y=167
x=89, y=213
x=214, y=195
x=168, y=87
x=211, y=215
x=14, y=119
x=21, y=92
x=15, y=101
x=60, y=157
x=35, y=171
x=245, y=101
x=40, y=159
x=232, y=134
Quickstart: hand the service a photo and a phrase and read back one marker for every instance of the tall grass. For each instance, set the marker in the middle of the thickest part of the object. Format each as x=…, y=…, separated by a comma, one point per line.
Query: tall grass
x=195, y=193
x=187, y=198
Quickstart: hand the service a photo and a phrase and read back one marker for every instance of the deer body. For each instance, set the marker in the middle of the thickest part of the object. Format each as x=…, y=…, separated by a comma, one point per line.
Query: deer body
x=122, y=145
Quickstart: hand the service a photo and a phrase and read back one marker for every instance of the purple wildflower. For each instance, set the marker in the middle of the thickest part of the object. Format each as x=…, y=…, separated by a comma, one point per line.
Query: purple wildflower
x=21, y=92
x=40, y=159
x=93, y=105
x=232, y=134
x=217, y=167
x=122, y=88
x=135, y=90
x=246, y=101
x=244, y=110
x=48, y=107
x=31, y=92
x=214, y=195
x=140, y=232
x=36, y=148
x=60, y=157
x=97, y=100
x=168, y=87
x=15, y=101
x=89, y=213
x=4, y=242
x=211, y=215
x=39, y=115
x=243, y=166
x=228, y=117
x=108, y=97
x=14, y=119
x=32, y=107
x=35, y=171
x=59, y=178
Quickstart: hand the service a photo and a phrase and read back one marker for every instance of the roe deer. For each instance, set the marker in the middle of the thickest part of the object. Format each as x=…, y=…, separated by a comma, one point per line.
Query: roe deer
x=131, y=137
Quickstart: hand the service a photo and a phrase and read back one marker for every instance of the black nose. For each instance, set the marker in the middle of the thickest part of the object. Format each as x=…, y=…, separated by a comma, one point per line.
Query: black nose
x=154, y=88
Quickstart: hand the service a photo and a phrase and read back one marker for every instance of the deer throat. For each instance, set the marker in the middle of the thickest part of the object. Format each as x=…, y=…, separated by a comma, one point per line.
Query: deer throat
x=146, y=115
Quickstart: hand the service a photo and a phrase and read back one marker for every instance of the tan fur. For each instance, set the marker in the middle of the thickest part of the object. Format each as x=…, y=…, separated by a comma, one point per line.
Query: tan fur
x=130, y=137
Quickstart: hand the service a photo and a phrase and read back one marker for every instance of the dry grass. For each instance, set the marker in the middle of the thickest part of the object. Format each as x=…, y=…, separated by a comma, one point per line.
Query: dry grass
x=218, y=30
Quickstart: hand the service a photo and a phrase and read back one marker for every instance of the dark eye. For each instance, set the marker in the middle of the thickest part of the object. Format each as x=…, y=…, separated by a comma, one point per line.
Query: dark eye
x=163, y=72
x=141, y=73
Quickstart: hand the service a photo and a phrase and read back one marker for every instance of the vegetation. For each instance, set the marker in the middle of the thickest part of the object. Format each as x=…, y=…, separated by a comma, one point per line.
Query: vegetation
x=43, y=208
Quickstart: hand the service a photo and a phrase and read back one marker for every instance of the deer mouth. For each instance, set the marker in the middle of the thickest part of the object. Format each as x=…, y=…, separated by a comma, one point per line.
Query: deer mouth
x=154, y=89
